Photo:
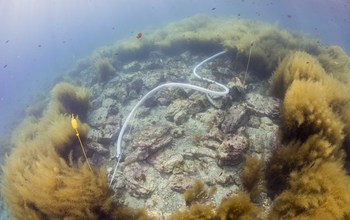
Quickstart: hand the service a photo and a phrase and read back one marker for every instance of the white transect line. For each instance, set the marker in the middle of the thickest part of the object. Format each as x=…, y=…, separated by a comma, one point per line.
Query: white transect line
x=178, y=85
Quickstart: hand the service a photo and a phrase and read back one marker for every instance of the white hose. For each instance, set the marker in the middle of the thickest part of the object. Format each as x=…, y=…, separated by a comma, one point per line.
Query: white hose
x=178, y=85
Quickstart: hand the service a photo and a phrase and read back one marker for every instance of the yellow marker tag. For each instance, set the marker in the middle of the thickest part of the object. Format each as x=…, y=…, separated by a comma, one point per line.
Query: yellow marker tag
x=74, y=123
x=75, y=127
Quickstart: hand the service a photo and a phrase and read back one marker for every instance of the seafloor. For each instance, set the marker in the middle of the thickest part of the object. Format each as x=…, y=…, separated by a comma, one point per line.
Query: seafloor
x=180, y=137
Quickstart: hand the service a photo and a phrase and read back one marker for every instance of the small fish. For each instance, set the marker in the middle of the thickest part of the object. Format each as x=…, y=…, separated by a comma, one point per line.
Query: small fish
x=289, y=16
x=213, y=9
x=5, y=66
x=39, y=45
x=7, y=41
x=139, y=36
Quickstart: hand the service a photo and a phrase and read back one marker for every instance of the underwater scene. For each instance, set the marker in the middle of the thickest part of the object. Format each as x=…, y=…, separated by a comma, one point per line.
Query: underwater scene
x=175, y=110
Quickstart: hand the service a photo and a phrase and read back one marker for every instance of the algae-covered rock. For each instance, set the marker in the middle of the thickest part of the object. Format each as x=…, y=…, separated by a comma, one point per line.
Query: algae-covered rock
x=235, y=117
x=148, y=142
x=181, y=109
x=231, y=150
x=263, y=105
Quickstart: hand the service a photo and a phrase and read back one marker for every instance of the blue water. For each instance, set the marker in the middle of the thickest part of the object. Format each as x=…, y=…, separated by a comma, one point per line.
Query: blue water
x=41, y=39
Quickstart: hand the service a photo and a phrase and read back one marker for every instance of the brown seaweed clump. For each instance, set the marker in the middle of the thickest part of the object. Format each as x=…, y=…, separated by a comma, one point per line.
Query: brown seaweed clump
x=42, y=179
x=252, y=176
x=298, y=65
x=234, y=207
x=317, y=191
x=104, y=70
x=306, y=173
